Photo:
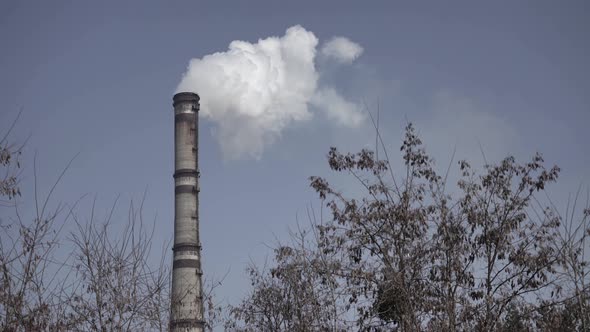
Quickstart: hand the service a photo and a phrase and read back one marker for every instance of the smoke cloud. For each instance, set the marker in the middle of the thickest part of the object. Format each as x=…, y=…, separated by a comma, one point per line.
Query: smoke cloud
x=253, y=91
x=343, y=112
x=342, y=50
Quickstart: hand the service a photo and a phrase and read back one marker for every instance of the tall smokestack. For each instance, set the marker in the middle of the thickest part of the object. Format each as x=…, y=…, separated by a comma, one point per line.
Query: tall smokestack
x=186, y=312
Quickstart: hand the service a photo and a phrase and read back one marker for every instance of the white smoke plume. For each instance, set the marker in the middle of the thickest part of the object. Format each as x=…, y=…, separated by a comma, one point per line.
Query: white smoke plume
x=338, y=109
x=342, y=50
x=253, y=91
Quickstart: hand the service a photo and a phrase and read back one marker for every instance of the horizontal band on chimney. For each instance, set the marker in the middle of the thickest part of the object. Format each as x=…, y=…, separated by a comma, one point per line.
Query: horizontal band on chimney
x=185, y=117
x=182, y=263
x=186, y=247
x=185, y=189
x=186, y=172
x=186, y=323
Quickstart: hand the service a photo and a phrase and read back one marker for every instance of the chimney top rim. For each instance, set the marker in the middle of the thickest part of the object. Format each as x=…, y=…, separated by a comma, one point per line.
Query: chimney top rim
x=184, y=97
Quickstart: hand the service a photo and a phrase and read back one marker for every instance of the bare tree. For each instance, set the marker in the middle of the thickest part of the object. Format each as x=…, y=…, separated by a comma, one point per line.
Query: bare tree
x=383, y=237
x=296, y=294
x=118, y=289
x=407, y=254
x=574, y=248
x=31, y=294
x=510, y=242
x=102, y=277
x=10, y=164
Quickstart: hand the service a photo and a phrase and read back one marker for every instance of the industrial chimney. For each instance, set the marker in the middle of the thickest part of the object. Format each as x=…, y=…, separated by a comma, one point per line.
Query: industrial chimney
x=186, y=312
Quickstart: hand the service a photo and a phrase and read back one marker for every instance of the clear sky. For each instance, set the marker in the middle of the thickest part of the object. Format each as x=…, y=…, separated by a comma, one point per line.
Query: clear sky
x=98, y=78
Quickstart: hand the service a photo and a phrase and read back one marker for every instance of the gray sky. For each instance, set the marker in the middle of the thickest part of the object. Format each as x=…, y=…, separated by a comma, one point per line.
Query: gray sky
x=98, y=78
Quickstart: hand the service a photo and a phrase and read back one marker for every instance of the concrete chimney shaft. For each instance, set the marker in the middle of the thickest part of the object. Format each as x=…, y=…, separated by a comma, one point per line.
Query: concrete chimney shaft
x=186, y=312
